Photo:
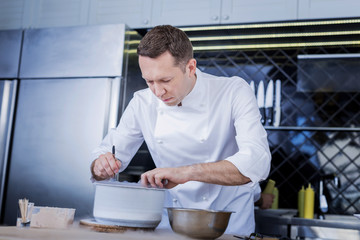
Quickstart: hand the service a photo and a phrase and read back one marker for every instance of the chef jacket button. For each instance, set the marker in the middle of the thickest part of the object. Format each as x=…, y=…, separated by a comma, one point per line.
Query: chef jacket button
x=202, y=105
x=204, y=198
x=159, y=141
x=174, y=200
x=161, y=112
x=202, y=140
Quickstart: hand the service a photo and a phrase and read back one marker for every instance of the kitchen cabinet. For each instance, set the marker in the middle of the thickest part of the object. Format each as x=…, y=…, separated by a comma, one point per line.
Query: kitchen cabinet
x=138, y=14
x=15, y=14
x=135, y=13
x=318, y=9
x=186, y=12
x=204, y=12
x=242, y=11
x=54, y=13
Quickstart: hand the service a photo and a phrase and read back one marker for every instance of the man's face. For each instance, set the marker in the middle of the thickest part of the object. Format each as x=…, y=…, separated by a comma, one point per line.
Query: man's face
x=168, y=82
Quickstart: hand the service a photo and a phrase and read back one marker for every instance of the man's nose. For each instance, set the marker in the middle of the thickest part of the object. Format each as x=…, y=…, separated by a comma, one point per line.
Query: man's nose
x=159, y=90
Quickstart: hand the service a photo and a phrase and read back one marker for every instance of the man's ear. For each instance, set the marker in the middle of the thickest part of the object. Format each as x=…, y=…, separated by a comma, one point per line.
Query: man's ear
x=191, y=66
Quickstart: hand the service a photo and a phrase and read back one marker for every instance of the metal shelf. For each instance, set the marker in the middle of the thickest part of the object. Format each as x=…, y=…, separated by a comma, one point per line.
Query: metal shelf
x=327, y=129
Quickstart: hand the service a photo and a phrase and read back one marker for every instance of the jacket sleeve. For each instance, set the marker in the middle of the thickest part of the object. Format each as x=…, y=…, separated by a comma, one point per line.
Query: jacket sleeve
x=127, y=137
x=253, y=158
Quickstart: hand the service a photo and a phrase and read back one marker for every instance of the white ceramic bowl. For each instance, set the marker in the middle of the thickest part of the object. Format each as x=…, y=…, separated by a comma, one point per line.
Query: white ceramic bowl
x=128, y=204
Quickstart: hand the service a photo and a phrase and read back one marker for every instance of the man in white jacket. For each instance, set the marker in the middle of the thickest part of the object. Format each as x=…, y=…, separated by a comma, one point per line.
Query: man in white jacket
x=203, y=133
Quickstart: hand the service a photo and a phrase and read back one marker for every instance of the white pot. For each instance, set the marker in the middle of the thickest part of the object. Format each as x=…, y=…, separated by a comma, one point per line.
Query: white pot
x=128, y=204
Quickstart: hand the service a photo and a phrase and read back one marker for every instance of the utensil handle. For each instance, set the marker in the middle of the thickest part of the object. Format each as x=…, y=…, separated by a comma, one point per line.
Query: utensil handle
x=113, y=152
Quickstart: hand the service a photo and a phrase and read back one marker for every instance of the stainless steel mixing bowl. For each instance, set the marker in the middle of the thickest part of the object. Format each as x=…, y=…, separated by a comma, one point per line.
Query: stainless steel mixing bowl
x=196, y=223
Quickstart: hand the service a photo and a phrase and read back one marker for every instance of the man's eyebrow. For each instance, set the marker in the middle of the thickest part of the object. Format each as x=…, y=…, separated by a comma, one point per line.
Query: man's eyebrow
x=161, y=79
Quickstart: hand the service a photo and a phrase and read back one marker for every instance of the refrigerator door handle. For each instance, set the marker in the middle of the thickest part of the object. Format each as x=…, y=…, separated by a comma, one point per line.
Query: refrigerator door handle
x=6, y=122
x=114, y=104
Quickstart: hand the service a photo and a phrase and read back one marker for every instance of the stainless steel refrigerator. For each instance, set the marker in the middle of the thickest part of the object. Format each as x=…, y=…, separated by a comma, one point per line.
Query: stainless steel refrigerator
x=68, y=96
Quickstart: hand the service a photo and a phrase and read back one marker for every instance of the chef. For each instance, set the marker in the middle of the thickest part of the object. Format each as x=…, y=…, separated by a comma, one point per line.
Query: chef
x=203, y=133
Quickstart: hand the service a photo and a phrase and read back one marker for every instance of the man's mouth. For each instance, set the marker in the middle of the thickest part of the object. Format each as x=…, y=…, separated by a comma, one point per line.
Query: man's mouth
x=167, y=99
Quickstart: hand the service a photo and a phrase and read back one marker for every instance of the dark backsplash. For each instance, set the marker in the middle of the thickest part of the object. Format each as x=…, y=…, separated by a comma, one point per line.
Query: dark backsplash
x=319, y=131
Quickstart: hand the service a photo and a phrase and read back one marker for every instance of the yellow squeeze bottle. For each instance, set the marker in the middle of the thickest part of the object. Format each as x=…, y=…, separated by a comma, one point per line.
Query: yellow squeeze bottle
x=309, y=203
x=269, y=186
x=275, y=204
x=301, y=201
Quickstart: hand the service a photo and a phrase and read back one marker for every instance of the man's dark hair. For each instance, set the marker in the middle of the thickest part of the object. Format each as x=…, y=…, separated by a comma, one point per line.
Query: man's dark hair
x=166, y=38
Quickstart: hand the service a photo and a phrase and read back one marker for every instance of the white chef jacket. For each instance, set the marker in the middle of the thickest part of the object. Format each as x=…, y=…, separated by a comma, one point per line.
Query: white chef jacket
x=219, y=119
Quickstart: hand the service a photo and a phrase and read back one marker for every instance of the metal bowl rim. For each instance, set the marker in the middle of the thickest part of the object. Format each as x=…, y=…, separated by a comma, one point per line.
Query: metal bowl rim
x=197, y=209
x=126, y=185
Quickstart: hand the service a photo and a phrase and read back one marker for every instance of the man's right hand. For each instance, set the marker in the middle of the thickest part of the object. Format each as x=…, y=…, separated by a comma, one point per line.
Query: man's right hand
x=105, y=167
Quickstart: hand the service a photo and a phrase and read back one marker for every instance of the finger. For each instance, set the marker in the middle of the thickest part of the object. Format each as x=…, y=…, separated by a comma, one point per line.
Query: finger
x=144, y=180
x=159, y=181
x=115, y=165
x=112, y=161
x=105, y=165
x=118, y=163
x=98, y=167
x=151, y=180
x=97, y=171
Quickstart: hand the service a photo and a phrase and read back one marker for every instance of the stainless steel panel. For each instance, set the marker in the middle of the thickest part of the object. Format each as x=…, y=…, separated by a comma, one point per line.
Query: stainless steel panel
x=315, y=232
x=94, y=51
x=328, y=73
x=58, y=123
x=10, y=44
x=7, y=103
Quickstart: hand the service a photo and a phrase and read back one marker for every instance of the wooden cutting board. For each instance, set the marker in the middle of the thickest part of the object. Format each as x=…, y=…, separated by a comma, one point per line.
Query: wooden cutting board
x=100, y=227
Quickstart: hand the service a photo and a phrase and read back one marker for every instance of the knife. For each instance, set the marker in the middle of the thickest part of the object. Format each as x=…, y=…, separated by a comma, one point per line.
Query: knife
x=269, y=103
x=261, y=101
x=322, y=199
x=277, y=108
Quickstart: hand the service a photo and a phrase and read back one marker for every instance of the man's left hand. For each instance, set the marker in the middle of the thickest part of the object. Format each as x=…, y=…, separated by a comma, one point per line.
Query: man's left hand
x=164, y=177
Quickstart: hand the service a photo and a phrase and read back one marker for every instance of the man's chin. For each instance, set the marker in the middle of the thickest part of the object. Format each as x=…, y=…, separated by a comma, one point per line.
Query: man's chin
x=171, y=103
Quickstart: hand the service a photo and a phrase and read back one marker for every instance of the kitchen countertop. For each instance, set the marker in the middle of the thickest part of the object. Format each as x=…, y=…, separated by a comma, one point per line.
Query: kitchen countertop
x=82, y=233
x=283, y=222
